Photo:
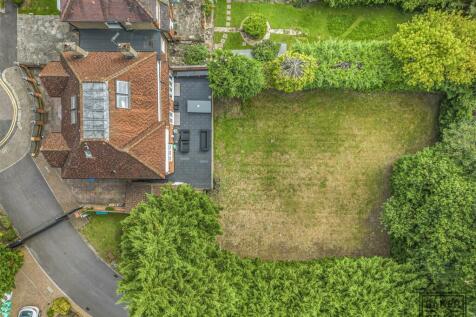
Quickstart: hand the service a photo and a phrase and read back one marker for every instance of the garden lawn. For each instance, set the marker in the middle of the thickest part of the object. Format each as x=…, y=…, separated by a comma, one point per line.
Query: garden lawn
x=319, y=21
x=104, y=234
x=39, y=7
x=305, y=175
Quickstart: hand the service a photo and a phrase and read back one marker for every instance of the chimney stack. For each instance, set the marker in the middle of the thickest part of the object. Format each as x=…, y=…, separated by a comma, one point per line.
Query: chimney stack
x=78, y=52
x=127, y=50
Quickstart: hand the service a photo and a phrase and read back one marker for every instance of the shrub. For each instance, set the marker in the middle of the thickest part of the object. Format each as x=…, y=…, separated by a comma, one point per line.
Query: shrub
x=265, y=51
x=207, y=7
x=171, y=241
x=60, y=306
x=430, y=219
x=437, y=48
x=10, y=262
x=409, y=5
x=362, y=66
x=459, y=144
x=195, y=54
x=18, y=2
x=255, y=26
x=292, y=72
x=235, y=76
x=456, y=107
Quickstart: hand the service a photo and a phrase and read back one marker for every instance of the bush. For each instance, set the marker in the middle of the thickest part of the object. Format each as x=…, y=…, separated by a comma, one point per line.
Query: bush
x=255, y=26
x=265, y=51
x=459, y=144
x=195, y=54
x=60, y=306
x=456, y=107
x=437, y=49
x=409, y=5
x=18, y=2
x=430, y=219
x=10, y=262
x=207, y=7
x=171, y=241
x=235, y=76
x=292, y=72
x=362, y=66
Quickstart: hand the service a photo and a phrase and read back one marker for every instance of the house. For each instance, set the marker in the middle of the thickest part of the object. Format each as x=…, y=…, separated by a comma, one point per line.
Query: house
x=121, y=107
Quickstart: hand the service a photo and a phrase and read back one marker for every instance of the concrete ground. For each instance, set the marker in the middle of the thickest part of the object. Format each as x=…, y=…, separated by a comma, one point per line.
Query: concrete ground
x=39, y=36
x=34, y=287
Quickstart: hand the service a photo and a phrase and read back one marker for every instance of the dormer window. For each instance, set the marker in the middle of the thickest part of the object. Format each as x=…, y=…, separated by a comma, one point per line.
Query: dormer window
x=122, y=94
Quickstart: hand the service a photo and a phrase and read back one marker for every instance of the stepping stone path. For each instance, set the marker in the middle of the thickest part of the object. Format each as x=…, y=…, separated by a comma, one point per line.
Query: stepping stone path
x=229, y=29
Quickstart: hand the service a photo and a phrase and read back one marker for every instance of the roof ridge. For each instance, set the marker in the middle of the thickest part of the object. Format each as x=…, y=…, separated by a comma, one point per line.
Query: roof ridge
x=143, y=135
x=129, y=67
x=145, y=9
x=153, y=169
x=65, y=9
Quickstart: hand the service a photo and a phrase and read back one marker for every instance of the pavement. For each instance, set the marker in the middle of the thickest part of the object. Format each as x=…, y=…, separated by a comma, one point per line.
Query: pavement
x=34, y=287
x=29, y=202
x=8, y=35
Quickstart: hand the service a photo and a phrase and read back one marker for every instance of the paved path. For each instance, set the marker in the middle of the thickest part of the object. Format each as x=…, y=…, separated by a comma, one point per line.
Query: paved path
x=8, y=36
x=60, y=251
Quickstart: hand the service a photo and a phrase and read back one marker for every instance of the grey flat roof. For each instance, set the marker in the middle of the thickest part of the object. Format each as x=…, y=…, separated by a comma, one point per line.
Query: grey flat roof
x=199, y=106
x=100, y=40
x=194, y=167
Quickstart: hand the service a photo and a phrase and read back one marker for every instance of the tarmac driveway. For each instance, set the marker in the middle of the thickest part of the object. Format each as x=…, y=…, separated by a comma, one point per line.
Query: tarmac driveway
x=8, y=36
x=60, y=251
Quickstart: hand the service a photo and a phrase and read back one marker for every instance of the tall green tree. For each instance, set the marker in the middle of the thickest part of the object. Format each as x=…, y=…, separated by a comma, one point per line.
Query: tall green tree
x=431, y=219
x=172, y=265
x=235, y=76
x=10, y=262
x=437, y=48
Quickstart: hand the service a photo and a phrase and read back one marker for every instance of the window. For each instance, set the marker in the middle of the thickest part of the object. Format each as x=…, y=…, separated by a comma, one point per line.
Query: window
x=162, y=44
x=113, y=25
x=122, y=94
x=74, y=109
x=204, y=140
x=171, y=117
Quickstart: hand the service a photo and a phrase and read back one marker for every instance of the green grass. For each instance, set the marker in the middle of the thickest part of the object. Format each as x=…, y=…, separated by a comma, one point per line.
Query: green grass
x=234, y=41
x=104, y=234
x=39, y=7
x=217, y=36
x=2, y=4
x=319, y=21
x=305, y=175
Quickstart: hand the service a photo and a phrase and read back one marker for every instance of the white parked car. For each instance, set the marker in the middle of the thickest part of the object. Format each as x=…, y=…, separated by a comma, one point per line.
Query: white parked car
x=29, y=311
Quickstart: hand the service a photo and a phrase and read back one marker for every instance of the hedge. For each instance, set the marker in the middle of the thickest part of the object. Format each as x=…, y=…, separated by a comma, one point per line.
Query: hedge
x=360, y=66
x=172, y=265
x=409, y=5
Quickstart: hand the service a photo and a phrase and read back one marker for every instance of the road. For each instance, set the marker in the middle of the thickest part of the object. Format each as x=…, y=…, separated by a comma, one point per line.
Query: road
x=60, y=251
x=8, y=36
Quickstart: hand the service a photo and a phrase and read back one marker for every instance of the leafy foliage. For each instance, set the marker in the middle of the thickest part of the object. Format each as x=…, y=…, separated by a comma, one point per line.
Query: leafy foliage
x=292, y=71
x=436, y=48
x=235, y=76
x=409, y=5
x=10, y=262
x=207, y=7
x=265, y=51
x=60, y=306
x=459, y=143
x=255, y=26
x=353, y=65
x=195, y=54
x=431, y=219
x=172, y=265
x=458, y=106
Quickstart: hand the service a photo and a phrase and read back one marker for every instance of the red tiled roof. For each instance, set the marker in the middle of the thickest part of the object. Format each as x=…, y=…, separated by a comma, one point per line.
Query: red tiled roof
x=136, y=144
x=106, y=11
x=54, y=142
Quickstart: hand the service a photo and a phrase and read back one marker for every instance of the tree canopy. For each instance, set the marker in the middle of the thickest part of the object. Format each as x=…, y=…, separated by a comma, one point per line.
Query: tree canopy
x=292, y=71
x=235, y=76
x=10, y=262
x=437, y=48
x=431, y=219
x=172, y=265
